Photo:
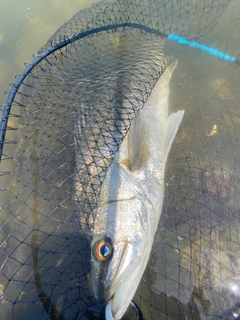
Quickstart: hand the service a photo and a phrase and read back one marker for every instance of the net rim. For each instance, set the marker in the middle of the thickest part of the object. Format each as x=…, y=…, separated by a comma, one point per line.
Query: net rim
x=44, y=54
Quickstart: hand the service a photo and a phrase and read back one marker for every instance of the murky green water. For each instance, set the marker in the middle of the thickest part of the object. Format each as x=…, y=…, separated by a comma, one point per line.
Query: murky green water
x=25, y=26
x=195, y=260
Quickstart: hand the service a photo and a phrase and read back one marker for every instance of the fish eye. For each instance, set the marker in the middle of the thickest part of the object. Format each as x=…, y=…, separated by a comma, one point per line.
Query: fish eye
x=102, y=250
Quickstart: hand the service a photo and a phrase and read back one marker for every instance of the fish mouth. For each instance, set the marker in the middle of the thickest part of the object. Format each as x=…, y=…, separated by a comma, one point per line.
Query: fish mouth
x=116, y=306
x=121, y=291
x=120, y=301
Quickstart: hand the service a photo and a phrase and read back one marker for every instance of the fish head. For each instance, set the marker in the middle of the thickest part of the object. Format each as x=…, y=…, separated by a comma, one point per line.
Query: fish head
x=119, y=252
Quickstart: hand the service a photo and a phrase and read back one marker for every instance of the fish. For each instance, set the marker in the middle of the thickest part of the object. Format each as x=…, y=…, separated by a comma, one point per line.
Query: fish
x=130, y=202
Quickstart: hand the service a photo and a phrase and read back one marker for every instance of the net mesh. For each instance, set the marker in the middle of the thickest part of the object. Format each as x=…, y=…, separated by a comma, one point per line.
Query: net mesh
x=68, y=119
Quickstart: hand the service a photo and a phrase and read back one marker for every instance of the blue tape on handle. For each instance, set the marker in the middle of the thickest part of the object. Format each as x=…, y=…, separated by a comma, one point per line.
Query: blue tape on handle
x=194, y=44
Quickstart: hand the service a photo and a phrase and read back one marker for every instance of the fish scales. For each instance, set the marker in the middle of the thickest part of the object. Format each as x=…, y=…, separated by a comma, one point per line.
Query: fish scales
x=131, y=201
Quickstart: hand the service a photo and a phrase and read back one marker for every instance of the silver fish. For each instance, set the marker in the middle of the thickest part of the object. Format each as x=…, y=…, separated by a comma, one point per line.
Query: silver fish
x=131, y=202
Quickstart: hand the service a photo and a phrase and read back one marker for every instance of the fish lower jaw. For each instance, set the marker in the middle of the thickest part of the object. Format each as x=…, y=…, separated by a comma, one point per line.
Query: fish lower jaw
x=119, y=298
x=108, y=312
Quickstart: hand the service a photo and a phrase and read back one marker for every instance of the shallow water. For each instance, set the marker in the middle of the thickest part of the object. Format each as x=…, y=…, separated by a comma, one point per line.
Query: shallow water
x=195, y=260
x=25, y=26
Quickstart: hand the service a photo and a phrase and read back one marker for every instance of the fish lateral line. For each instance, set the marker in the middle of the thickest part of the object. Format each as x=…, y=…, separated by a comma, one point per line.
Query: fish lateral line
x=119, y=200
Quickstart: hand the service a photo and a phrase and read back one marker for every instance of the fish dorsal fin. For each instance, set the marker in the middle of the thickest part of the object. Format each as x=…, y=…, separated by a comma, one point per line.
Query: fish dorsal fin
x=139, y=143
x=160, y=92
x=167, y=75
x=172, y=125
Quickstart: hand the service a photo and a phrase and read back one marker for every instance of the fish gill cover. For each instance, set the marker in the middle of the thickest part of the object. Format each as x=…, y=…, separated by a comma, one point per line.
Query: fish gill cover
x=69, y=114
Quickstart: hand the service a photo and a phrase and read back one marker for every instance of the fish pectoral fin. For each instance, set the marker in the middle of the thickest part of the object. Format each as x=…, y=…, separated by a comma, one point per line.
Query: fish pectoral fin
x=139, y=143
x=172, y=125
